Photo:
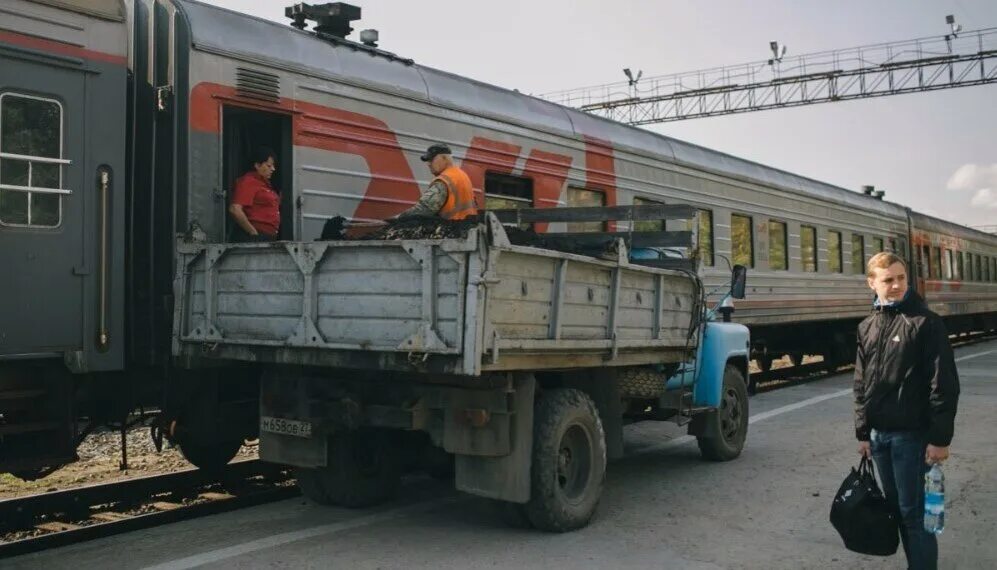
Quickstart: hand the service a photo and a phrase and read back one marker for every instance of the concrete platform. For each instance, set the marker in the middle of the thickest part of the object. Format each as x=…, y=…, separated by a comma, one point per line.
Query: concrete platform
x=663, y=506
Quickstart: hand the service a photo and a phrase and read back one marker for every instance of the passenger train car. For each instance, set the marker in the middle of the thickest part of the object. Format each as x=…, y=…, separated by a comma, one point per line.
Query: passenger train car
x=124, y=124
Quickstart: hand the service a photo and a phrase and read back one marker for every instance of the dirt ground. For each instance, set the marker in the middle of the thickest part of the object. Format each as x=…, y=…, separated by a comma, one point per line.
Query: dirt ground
x=100, y=457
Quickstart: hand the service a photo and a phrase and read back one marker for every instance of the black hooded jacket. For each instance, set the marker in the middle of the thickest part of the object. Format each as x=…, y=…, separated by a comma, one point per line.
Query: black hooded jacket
x=905, y=373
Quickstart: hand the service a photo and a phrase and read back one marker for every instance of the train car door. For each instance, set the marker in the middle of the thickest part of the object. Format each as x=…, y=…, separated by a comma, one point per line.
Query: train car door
x=42, y=205
x=246, y=130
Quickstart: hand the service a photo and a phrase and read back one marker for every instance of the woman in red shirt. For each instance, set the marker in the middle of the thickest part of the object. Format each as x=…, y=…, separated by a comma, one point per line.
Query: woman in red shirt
x=255, y=204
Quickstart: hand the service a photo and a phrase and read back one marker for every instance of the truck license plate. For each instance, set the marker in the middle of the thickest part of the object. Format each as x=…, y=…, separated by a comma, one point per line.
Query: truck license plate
x=296, y=428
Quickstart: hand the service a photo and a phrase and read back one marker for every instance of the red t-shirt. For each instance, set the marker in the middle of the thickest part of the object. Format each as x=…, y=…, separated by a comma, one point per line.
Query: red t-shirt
x=259, y=201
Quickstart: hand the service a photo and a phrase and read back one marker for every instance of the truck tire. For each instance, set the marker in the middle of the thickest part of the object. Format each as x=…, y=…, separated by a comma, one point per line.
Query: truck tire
x=642, y=382
x=209, y=456
x=363, y=470
x=731, y=419
x=569, y=461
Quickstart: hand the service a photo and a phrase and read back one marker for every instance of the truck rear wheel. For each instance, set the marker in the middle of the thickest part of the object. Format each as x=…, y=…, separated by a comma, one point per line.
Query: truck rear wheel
x=363, y=470
x=569, y=461
x=726, y=440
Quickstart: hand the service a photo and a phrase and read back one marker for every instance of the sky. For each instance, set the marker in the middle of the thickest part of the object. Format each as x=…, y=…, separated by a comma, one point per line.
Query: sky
x=935, y=152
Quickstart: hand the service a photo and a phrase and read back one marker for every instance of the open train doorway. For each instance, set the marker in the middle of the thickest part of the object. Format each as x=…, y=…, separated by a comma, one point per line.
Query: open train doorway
x=249, y=129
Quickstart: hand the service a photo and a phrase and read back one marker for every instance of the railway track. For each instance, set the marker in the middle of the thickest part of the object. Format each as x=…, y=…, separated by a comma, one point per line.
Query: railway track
x=48, y=520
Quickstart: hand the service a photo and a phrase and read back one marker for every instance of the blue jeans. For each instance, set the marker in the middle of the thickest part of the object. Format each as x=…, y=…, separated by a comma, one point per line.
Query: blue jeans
x=899, y=456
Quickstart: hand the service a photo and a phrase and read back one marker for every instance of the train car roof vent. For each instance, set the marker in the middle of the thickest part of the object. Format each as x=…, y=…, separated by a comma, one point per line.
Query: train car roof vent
x=256, y=84
x=878, y=194
x=332, y=24
x=331, y=18
x=868, y=190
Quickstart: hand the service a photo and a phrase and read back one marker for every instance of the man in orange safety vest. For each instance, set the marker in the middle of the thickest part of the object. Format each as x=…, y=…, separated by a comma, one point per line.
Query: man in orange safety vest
x=450, y=195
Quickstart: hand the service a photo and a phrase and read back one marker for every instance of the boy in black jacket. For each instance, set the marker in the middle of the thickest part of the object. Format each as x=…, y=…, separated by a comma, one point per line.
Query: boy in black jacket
x=906, y=392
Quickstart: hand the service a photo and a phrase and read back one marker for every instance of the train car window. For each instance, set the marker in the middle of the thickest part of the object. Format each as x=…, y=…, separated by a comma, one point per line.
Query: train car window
x=899, y=247
x=584, y=197
x=925, y=258
x=978, y=270
x=778, y=249
x=834, y=251
x=808, y=248
x=986, y=269
x=504, y=191
x=947, y=266
x=936, y=262
x=30, y=161
x=742, y=240
x=648, y=225
x=877, y=245
x=969, y=266
x=993, y=269
x=705, y=218
x=959, y=266
x=919, y=262
x=858, y=254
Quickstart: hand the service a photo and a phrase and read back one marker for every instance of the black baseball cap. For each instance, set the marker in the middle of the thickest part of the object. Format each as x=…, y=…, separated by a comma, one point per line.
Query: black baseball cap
x=434, y=150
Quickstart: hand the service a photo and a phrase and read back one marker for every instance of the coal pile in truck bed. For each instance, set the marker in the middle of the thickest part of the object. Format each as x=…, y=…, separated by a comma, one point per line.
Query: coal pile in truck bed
x=405, y=228
x=435, y=228
x=529, y=238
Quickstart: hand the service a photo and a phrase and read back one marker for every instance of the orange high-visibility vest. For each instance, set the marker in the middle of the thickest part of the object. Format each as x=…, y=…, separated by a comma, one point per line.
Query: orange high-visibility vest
x=460, y=195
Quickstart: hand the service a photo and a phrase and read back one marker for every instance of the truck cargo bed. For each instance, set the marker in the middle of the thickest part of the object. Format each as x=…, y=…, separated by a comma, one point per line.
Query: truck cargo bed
x=460, y=306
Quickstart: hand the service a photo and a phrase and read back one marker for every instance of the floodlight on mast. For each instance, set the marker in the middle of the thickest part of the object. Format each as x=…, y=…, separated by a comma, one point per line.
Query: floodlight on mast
x=778, y=52
x=956, y=28
x=631, y=79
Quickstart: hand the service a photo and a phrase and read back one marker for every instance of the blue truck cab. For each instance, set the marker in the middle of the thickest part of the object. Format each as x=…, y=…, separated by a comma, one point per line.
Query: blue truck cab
x=712, y=387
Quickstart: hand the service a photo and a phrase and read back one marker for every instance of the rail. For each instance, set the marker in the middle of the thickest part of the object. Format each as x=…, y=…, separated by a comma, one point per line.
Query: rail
x=49, y=520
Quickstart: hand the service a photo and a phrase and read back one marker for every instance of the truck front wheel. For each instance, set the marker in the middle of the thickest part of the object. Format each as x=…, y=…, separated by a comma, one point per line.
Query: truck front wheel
x=363, y=470
x=726, y=440
x=569, y=461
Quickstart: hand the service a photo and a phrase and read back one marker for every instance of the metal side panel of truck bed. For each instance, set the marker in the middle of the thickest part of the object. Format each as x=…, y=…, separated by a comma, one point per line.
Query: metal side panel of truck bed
x=452, y=306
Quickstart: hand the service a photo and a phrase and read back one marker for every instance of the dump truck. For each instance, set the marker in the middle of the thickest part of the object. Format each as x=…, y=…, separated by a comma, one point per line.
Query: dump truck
x=510, y=364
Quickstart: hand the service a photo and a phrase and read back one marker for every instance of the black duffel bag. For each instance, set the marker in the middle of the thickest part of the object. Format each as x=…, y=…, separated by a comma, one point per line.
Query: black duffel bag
x=861, y=515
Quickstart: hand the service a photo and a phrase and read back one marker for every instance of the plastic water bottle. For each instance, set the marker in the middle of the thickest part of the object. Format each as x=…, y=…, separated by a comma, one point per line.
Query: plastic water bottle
x=934, y=500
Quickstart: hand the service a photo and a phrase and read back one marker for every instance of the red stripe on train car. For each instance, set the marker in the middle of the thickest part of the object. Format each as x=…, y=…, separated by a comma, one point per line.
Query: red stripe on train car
x=60, y=48
x=548, y=171
x=392, y=183
x=392, y=180
x=601, y=168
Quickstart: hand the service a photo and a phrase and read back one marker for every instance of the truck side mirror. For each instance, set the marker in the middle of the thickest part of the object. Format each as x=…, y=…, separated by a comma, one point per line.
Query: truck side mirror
x=738, y=281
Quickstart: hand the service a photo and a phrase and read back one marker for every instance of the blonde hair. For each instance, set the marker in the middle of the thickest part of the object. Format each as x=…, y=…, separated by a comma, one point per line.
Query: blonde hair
x=882, y=260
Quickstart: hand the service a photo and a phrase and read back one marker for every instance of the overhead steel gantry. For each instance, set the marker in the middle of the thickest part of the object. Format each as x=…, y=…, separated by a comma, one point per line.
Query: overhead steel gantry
x=927, y=64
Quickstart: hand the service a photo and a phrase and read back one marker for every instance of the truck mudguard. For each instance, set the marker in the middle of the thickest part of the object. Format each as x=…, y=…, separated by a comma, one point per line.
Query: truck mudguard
x=721, y=342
